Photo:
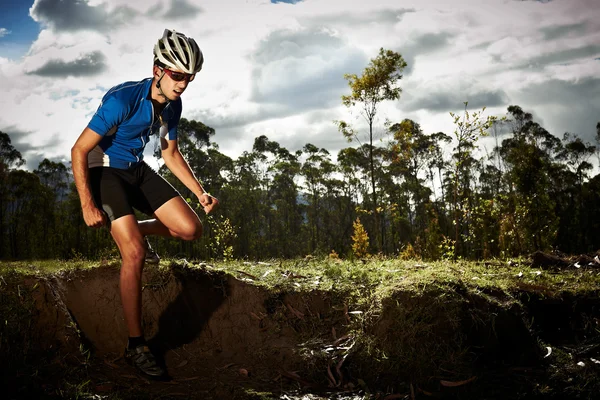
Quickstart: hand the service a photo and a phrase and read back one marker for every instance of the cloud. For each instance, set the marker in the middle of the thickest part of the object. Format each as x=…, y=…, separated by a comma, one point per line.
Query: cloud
x=32, y=152
x=381, y=17
x=303, y=69
x=179, y=9
x=560, y=31
x=74, y=15
x=565, y=56
x=566, y=106
x=86, y=65
x=4, y=32
x=450, y=101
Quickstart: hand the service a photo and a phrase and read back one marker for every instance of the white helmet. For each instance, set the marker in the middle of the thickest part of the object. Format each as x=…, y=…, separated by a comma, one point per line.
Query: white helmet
x=176, y=51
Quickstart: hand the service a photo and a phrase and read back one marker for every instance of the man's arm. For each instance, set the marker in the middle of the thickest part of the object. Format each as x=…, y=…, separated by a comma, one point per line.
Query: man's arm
x=181, y=169
x=79, y=162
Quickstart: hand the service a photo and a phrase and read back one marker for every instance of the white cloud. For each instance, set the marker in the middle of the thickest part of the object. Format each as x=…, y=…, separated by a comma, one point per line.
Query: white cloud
x=4, y=32
x=277, y=69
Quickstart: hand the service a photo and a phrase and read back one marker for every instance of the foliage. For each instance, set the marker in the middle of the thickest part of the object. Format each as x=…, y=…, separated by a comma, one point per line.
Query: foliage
x=378, y=83
x=360, y=240
x=222, y=239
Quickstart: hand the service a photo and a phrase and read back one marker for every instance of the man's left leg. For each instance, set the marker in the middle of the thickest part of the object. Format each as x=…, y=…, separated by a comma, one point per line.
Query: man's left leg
x=174, y=218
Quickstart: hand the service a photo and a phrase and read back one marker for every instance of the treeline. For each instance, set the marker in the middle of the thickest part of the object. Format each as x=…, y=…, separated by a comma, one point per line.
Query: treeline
x=437, y=195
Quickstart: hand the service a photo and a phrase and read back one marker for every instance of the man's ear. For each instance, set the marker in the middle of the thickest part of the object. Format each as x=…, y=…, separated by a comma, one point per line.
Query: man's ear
x=156, y=71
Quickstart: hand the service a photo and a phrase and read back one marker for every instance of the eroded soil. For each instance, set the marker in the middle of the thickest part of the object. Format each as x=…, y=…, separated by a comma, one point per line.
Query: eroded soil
x=223, y=337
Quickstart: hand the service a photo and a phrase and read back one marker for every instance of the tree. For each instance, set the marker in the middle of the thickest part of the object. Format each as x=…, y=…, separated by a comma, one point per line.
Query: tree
x=534, y=179
x=469, y=127
x=378, y=83
x=9, y=158
x=316, y=170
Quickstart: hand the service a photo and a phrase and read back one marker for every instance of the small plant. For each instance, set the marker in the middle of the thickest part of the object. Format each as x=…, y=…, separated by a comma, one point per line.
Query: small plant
x=409, y=253
x=360, y=240
x=222, y=241
x=448, y=248
x=334, y=255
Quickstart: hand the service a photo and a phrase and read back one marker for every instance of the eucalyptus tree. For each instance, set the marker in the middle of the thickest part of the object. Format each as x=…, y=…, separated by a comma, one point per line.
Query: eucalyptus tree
x=194, y=140
x=248, y=205
x=285, y=215
x=317, y=171
x=469, y=127
x=378, y=83
x=597, y=139
x=576, y=154
x=437, y=163
x=533, y=174
x=55, y=177
x=411, y=153
x=27, y=212
x=10, y=158
x=574, y=218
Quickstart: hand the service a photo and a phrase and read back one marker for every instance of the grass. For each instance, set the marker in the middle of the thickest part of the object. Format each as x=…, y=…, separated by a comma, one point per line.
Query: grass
x=356, y=276
x=404, y=319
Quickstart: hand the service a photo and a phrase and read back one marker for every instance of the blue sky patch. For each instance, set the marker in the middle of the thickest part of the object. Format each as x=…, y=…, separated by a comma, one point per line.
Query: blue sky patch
x=21, y=29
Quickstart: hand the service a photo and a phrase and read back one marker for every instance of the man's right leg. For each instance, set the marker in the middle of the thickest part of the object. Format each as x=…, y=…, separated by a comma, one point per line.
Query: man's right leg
x=132, y=247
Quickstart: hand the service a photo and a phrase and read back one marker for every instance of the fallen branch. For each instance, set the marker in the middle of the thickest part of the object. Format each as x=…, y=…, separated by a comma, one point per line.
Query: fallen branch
x=458, y=383
x=247, y=274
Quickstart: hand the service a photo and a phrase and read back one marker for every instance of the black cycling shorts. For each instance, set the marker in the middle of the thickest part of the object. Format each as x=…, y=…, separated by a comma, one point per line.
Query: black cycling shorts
x=118, y=191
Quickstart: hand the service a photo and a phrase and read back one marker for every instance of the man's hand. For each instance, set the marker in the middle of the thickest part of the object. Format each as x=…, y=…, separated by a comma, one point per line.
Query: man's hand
x=208, y=202
x=93, y=217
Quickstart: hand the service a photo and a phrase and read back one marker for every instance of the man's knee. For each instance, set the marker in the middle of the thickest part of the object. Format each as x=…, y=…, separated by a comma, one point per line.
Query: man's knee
x=133, y=251
x=192, y=230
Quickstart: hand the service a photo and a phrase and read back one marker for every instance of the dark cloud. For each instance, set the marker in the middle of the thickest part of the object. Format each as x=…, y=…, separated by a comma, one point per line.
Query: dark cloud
x=560, y=31
x=423, y=44
x=74, y=15
x=565, y=106
x=88, y=64
x=19, y=140
x=453, y=100
x=33, y=154
x=178, y=9
x=561, y=57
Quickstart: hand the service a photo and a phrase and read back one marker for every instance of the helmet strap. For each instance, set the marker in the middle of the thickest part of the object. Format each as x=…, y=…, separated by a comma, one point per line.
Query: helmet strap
x=159, y=88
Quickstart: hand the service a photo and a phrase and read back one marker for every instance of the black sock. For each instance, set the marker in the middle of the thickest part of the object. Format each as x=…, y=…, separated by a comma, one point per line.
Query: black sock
x=134, y=342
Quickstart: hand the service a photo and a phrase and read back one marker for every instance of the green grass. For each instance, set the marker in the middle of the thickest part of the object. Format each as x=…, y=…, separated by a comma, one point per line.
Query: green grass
x=403, y=316
x=356, y=276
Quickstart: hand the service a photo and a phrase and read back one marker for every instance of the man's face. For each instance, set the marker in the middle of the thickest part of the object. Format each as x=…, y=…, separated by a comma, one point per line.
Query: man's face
x=174, y=82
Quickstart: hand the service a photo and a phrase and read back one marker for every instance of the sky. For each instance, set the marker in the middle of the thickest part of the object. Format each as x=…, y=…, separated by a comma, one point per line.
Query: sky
x=276, y=68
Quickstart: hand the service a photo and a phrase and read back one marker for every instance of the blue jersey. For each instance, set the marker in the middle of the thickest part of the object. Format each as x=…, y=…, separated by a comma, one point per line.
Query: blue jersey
x=125, y=119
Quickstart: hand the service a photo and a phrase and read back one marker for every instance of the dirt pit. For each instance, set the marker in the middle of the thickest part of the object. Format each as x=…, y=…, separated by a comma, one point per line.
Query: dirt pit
x=223, y=337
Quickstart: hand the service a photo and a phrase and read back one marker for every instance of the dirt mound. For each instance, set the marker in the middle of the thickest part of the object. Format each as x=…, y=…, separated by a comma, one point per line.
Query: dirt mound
x=223, y=338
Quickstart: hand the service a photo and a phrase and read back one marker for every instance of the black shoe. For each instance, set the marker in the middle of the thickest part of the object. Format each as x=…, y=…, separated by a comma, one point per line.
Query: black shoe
x=143, y=360
x=151, y=256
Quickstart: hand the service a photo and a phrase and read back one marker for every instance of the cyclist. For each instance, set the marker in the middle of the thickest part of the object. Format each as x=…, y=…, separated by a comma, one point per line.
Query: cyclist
x=112, y=179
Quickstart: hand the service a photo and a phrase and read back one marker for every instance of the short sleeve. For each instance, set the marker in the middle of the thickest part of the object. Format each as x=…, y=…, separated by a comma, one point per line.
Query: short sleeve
x=111, y=112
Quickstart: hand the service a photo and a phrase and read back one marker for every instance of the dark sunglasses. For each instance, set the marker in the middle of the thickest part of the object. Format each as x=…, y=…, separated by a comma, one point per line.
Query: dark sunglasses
x=179, y=76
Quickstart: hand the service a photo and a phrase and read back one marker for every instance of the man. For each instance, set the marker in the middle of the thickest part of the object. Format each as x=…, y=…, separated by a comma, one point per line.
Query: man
x=112, y=178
